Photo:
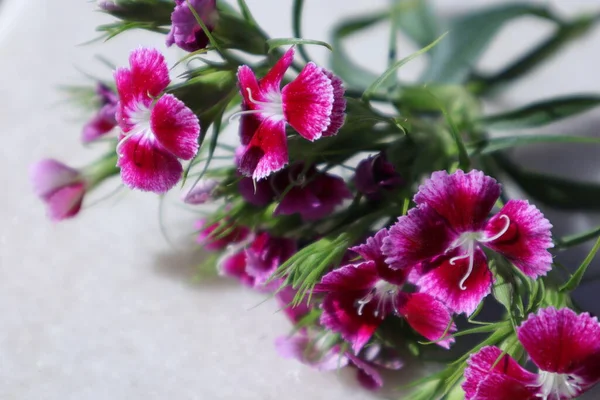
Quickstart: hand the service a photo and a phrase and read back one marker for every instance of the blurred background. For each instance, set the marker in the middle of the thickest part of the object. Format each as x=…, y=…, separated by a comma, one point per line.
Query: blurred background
x=103, y=306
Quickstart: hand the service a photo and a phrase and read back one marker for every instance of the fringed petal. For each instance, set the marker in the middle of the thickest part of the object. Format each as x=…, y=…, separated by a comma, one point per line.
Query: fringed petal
x=175, y=126
x=267, y=151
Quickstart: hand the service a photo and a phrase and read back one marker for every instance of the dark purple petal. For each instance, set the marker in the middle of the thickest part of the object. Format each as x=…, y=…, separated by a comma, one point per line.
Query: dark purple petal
x=259, y=193
x=463, y=200
x=265, y=254
x=375, y=175
x=358, y=277
x=338, y=114
x=185, y=31
x=527, y=240
x=367, y=375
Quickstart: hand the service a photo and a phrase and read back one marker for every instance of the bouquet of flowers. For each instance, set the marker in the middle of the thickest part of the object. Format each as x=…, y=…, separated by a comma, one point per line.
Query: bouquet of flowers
x=371, y=208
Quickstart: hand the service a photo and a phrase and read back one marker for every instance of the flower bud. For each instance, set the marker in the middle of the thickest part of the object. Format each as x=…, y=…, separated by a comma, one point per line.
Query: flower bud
x=201, y=192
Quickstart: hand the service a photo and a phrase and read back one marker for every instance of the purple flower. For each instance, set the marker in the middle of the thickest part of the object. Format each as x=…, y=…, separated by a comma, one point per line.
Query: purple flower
x=444, y=233
x=201, y=192
x=563, y=345
x=313, y=104
x=62, y=188
x=313, y=194
x=358, y=297
x=222, y=238
x=375, y=175
x=109, y=5
x=104, y=121
x=186, y=32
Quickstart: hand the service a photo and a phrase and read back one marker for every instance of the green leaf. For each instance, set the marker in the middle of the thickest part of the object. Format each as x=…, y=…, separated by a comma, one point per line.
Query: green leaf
x=297, y=27
x=575, y=279
x=392, y=70
x=274, y=43
x=551, y=190
x=157, y=12
x=543, y=113
x=341, y=64
x=235, y=31
x=574, y=240
x=492, y=145
x=417, y=20
x=469, y=36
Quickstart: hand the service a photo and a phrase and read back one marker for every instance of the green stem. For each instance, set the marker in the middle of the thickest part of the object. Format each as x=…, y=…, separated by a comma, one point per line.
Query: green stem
x=100, y=170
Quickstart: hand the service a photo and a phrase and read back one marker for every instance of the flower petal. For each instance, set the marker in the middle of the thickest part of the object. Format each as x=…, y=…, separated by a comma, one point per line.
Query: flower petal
x=285, y=297
x=147, y=77
x=497, y=386
x=338, y=114
x=271, y=82
x=65, y=202
x=367, y=375
x=416, y=237
x=352, y=277
x=234, y=266
x=463, y=200
x=185, y=31
x=301, y=348
x=560, y=341
x=103, y=122
x=257, y=193
x=265, y=254
x=443, y=281
x=49, y=175
x=428, y=316
x=146, y=166
x=490, y=361
x=249, y=86
x=175, y=126
x=267, y=151
x=340, y=315
x=308, y=102
x=527, y=240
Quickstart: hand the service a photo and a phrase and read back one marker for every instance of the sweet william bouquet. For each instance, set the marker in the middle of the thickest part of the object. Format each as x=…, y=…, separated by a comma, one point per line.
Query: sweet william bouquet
x=369, y=207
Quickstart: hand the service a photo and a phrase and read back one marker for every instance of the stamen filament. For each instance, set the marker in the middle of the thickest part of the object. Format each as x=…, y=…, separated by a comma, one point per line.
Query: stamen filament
x=261, y=103
x=499, y=234
x=471, y=255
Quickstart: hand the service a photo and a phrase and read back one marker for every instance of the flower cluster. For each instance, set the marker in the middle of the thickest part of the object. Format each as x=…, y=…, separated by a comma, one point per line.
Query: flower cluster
x=381, y=232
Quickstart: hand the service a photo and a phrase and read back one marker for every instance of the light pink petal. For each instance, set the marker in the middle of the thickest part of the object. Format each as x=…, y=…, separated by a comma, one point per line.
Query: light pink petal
x=352, y=277
x=271, y=82
x=497, y=386
x=463, y=200
x=201, y=192
x=301, y=348
x=428, y=316
x=175, y=126
x=338, y=114
x=416, y=237
x=340, y=314
x=308, y=102
x=49, y=175
x=367, y=375
x=65, y=202
x=100, y=124
x=147, y=167
x=267, y=151
x=443, y=282
x=527, y=240
x=560, y=340
x=488, y=361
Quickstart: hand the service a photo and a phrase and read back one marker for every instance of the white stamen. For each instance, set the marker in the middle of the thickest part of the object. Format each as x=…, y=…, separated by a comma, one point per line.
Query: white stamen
x=499, y=234
x=554, y=385
x=471, y=255
x=140, y=119
x=383, y=290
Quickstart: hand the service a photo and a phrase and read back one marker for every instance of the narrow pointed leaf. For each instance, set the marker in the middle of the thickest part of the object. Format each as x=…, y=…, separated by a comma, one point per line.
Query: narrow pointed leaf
x=578, y=275
x=418, y=22
x=274, y=43
x=488, y=146
x=574, y=240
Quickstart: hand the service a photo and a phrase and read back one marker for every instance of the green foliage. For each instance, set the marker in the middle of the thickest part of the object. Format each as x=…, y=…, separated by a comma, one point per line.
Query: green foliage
x=575, y=280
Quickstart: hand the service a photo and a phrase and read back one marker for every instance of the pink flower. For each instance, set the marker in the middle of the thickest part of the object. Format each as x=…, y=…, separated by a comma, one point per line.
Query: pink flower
x=201, y=193
x=563, y=345
x=62, y=188
x=313, y=104
x=444, y=233
x=360, y=296
x=185, y=31
x=213, y=240
x=285, y=298
x=374, y=175
x=254, y=260
x=104, y=121
x=313, y=194
x=157, y=129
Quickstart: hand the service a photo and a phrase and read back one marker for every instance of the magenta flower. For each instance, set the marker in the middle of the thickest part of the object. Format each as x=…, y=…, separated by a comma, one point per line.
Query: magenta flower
x=444, y=233
x=360, y=296
x=157, y=129
x=214, y=241
x=104, y=121
x=253, y=261
x=200, y=193
x=285, y=298
x=313, y=195
x=374, y=175
x=563, y=345
x=185, y=31
x=313, y=104
x=62, y=188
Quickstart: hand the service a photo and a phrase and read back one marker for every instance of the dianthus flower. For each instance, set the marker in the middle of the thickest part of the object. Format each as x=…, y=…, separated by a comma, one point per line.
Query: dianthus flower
x=360, y=296
x=157, y=129
x=104, y=121
x=313, y=104
x=444, y=233
x=564, y=346
x=185, y=31
x=375, y=175
x=201, y=193
x=223, y=237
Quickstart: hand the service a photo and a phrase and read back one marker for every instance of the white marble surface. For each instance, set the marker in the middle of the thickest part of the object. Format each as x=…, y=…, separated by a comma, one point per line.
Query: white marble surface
x=102, y=307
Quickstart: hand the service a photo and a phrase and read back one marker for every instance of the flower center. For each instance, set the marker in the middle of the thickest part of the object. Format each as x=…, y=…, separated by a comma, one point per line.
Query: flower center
x=385, y=293
x=559, y=385
x=467, y=241
x=273, y=107
x=140, y=119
